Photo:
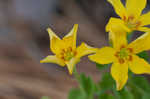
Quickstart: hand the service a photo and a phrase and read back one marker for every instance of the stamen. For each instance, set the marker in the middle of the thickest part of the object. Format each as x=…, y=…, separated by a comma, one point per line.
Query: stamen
x=117, y=54
x=130, y=50
x=123, y=46
x=132, y=23
x=121, y=61
x=130, y=58
x=67, y=54
x=125, y=54
x=130, y=18
x=124, y=18
x=138, y=24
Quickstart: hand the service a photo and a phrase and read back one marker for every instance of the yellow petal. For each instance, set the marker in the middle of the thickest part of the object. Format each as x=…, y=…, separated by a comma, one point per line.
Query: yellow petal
x=117, y=32
x=53, y=59
x=70, y=39
x=120, y=74
x=84, y=49
x=71, y=64
x=116, y=24
x=139, y=65
x=141, y=43
x=135, y=7
x=104, y=55
x=55, y=41
x=145, y=19
x=118, y=39
x=144, y=29
x=119, y=7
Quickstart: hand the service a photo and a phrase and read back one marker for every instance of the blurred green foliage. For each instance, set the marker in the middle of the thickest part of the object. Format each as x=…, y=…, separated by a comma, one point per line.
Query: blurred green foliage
x=86, y=90
x=45, y=97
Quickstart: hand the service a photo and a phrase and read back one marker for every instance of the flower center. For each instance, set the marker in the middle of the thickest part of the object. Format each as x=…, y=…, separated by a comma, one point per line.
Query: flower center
x=124, y=54
x=131, y=22
x=67, y=54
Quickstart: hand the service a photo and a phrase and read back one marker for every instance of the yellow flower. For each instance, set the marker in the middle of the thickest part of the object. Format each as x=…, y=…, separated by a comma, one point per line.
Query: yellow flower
x=130, y=14
x=65, y=50
x=123, y=57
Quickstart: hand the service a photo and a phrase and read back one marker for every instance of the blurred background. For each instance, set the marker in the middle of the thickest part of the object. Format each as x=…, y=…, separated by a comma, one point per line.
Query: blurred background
x=24, y=41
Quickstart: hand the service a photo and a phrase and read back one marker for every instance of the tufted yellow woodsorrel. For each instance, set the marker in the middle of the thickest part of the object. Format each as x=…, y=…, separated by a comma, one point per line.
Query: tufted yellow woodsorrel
x=131, y=15
x=123, y=56
x=65, y=50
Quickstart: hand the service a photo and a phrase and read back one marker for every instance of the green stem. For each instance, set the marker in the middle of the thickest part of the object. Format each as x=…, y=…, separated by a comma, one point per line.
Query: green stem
x=76, y=75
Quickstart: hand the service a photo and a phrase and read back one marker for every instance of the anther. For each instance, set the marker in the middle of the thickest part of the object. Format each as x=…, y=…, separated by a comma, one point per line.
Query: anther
x=130, y=50
x=138, y=24
x=130, y=18
x=124, y=18
x=121, y=61
x=130, y=58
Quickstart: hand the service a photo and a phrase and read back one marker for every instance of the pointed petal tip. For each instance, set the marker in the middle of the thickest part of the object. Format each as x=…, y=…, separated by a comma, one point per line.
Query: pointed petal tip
x=49, y=29
x=119, y=87
x=70, y=72
x=76, y=25
x=41, y=61
x=92, y=58
x=51, y=33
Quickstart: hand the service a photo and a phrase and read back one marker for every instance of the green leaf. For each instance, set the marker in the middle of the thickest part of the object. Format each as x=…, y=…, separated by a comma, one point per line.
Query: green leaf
x=106, y=82
x=102, y=66
x=106, y=96
x=125, y=94
x=45, y=97
x=141, y=82
x=135, y=90
x=146, y=96
x=139, y=85
x=144, y=55
x=87, y=85
x=76, y=94
x=86, y=90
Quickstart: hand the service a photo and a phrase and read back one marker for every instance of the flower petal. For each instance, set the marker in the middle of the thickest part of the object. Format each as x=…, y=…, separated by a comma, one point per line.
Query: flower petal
x=118, y=39
x=55, y=41
x=139, y=65
x=104, y=55
x=144, y=29
x=53, y=59
x=145, y=19
x=71, y=64
x=120, y=74
x=141, y=43
x=119, y=7
x=84, y=49
x=70, y=39
x=116, y=24
x=135, y=7
x=117, y=32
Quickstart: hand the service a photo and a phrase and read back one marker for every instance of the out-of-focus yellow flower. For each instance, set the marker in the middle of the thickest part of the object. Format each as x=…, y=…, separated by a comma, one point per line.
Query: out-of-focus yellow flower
x=65, y=50
x=123, y=56
x=130, y=14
